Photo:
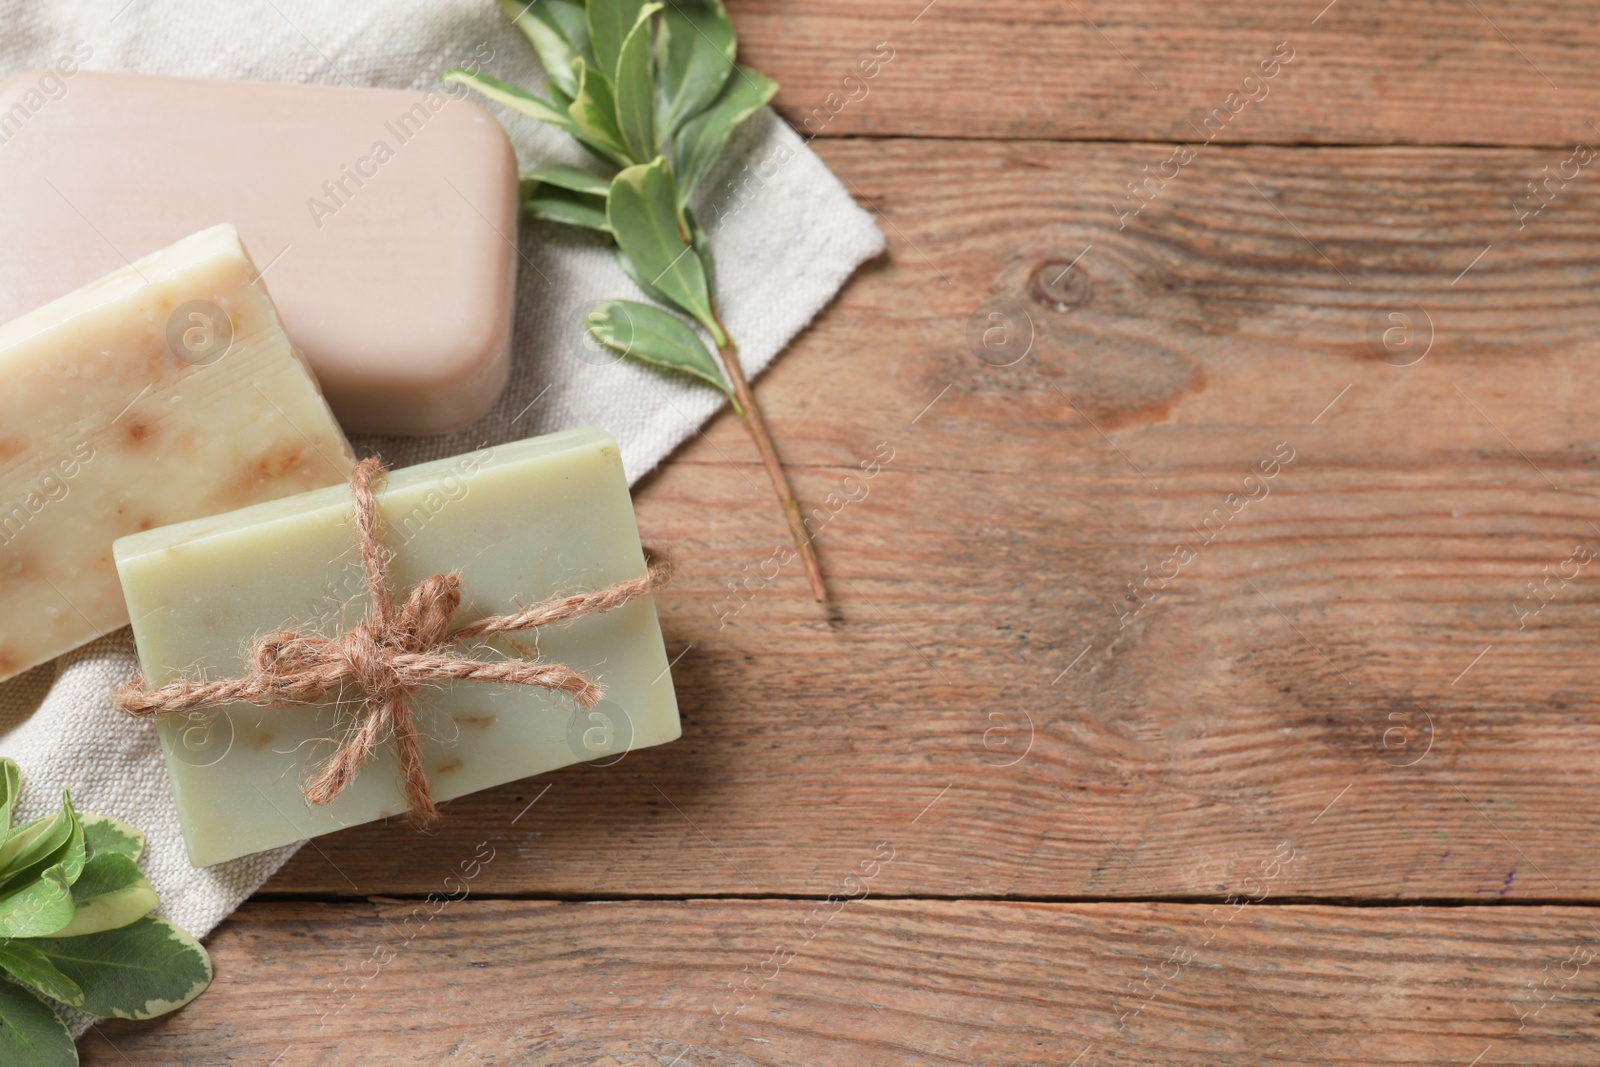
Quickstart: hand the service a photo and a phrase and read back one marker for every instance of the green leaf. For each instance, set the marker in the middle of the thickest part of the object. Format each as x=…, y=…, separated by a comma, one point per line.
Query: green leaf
x=594, y=115
x=570, y=18
x=111, y=892
x=574, y=178
x=657, y=338
x=610, y=22
x=102, y=834
x=518, y=100
x=641, y=281
x=32, y=967
x=44, y=843
x=543, y=26
x=702, y=248
x=563, y=205
x=701, y=140
x=694, y=56
x=40, y=906
x=560, y=99
x=147, y=968
x=636, y=103
x=34, y=842
x=643, y=212
x=10, y=786
x=30, y=1033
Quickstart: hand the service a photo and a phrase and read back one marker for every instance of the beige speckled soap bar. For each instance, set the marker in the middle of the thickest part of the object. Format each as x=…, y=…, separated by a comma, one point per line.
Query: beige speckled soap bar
x=385, y=221
x=162, y=392
x=518, y=522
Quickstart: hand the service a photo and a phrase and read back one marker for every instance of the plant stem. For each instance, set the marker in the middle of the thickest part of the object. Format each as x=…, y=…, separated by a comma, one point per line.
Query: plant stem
x=757, y=425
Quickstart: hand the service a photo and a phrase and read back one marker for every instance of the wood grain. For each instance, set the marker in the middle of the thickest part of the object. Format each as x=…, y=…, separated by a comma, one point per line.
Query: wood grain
x=1057, y=750
x=1407, y=71
x=884, y=983
x=1343, y=666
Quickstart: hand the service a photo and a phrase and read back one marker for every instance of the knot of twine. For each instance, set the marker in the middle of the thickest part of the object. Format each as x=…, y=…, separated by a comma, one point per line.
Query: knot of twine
x=390, y=656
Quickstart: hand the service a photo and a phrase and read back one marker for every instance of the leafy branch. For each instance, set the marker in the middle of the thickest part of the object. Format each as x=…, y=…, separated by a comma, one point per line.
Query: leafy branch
x=76, y=929
x=653, y=93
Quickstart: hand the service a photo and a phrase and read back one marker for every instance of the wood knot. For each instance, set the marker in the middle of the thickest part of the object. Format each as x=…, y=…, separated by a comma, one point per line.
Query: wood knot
x=1060, y=285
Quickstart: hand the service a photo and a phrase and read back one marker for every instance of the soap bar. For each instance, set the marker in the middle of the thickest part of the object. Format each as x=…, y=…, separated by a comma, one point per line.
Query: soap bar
x=162, y=392
x=518, y=522
x=385, y=222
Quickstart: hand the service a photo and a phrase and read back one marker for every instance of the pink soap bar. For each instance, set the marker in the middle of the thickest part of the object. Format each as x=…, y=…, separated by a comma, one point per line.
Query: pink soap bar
x=384, y=222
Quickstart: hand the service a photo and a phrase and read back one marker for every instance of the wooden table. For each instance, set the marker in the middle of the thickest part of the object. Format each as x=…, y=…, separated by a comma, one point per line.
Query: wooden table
x=1208, y=676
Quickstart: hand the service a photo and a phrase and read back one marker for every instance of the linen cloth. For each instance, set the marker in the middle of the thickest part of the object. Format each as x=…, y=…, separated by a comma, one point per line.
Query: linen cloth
x=785, y=232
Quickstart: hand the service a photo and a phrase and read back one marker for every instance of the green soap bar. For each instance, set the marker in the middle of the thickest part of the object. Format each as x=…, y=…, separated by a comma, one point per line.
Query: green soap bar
x=518, y=522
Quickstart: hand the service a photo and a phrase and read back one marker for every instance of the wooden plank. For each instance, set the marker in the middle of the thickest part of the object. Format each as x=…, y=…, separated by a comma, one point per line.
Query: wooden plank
x=885, y=983
x=1408, y=71
x=1342, y=667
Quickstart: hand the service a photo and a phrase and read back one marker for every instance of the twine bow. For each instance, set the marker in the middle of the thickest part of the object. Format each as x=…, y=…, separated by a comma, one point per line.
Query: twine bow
x=390, y=656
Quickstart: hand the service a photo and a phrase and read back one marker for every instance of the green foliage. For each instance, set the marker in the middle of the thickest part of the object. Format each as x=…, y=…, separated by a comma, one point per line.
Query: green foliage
x=642, y=210
x=111, y=893
x=575, y=179
x=31, y=1033
x=610, y=22
x=138, y=971
x=694, y=56
x=648, y=334
x=563, y=205
x=702, y=138
x=551, y=26
x=594, y=115
x=532, y=106
x=75, y=929
x=653, y=92
x=635, y=92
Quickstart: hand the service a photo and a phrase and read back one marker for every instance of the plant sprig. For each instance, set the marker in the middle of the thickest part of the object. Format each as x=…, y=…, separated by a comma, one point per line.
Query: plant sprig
x=652, y=91
x=76, y=929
